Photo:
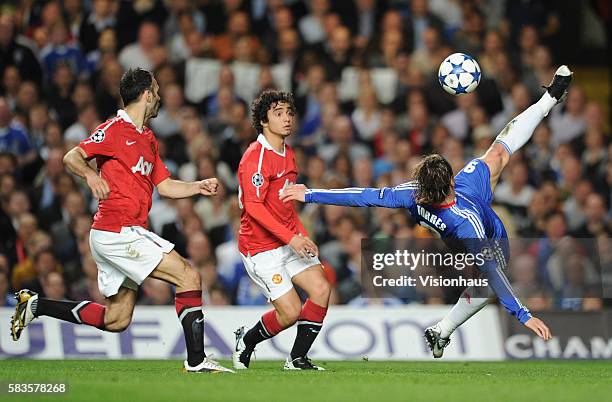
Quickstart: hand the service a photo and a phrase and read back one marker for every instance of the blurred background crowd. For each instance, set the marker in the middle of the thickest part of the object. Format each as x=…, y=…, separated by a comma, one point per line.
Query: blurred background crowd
x=364, y=77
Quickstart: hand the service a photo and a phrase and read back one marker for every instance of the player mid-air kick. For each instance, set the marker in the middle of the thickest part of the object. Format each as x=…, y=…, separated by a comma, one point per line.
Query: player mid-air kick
x=125, y=252
x=461, y=209
x=274, y=246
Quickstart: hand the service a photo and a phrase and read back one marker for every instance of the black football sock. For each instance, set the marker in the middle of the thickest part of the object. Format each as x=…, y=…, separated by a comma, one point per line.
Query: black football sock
x=265, y=328
x=255, y=335
x=189, y=309
x=84, y=312
x=309, y=325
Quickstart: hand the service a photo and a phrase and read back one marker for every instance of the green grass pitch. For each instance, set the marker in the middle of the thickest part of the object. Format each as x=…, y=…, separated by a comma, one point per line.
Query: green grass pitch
x=146, y=381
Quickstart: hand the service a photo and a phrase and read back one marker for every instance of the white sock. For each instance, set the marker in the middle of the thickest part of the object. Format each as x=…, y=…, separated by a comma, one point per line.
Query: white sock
x=520, y=129
x=466, y=306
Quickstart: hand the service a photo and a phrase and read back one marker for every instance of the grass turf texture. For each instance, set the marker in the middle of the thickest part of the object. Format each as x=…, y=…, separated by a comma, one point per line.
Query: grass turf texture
x=146, y=381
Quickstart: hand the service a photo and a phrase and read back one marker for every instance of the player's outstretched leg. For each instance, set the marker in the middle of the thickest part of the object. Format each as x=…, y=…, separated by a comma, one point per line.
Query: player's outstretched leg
x=30, y=305
x=518, y=131
x=310, y=321
x=188, y=302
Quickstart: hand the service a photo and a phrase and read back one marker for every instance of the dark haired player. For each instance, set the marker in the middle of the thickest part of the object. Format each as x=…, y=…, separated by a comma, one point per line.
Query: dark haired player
x=275, y=248
x=127, y=157
x=460, y=207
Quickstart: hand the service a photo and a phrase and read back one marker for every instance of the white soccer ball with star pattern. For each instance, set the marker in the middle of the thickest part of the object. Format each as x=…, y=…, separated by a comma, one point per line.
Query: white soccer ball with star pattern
x=459, y=74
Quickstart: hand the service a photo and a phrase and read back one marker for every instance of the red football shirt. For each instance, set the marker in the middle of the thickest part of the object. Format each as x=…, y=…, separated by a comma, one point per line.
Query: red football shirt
x=129, y=161
x=262, y=174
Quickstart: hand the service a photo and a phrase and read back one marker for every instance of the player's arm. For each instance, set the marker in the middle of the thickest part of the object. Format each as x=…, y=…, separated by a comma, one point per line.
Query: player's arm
x=502, y=288
x=76, y=161
x=350, y=197
x=476, y=243
x=301, y=244
x=171, y=188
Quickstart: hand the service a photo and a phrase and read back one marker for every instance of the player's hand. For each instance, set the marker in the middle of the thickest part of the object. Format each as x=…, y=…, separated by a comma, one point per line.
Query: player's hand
x=294, y=192
x=209, y=186
x=99, y=187
x=304, y=246
x=538, y=326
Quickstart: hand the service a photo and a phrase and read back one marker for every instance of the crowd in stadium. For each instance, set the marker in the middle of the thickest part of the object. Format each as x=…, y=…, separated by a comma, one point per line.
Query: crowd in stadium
x=364, y=77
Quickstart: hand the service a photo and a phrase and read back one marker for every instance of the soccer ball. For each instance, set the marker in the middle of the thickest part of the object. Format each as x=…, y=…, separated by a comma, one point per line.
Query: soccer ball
x=459, y=74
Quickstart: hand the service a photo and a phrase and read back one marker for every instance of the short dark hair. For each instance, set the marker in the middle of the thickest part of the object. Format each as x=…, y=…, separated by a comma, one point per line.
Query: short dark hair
x=434, y=176
x=133, y=83
x=267, y=99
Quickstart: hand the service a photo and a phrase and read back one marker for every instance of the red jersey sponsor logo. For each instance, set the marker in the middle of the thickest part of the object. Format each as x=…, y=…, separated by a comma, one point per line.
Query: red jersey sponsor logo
x=129, y=161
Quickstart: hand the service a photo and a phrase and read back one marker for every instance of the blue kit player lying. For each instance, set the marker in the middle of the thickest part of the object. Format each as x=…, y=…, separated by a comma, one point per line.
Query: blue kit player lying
x=459, y=208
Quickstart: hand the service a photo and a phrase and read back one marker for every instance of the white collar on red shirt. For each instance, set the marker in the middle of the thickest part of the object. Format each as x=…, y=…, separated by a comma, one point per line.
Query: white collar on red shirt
x=263, y=141
x=126, y=117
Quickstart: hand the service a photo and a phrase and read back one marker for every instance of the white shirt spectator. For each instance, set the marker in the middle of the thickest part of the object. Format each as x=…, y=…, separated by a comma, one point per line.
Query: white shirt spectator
x=76, y=133
x=565, y=127
x=164, y=125
x=505, y=195
x=133, y=56
x=366, y=126
x=312, y=31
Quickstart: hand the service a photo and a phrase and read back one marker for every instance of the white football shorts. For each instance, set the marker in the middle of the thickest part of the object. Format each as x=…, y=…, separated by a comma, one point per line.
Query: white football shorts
x=126, y=258
x=272, y=270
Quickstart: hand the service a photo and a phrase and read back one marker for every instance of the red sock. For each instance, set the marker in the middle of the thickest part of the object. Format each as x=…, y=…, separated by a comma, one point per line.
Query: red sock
x=312, y=312
x=271, y=323
x=92, y=314
x=189, y=299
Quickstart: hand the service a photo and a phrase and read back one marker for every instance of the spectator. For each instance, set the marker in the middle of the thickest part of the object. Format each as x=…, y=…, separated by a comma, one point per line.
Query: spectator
x=516, y=191
x=102, y=17
x=198, y=248
x=17, y=54
x=366, y=117
x=337, y=53
x=85, y=125
x=44, y=262
x=238, y=27
x=11, y=81
x=236, y=136
x=107, y=89
x=105, y=51
x=218, y=295
x=575, y=206
x=146, y=52
x=60, y=95
x=13, y=137
x=420, y=19
x=427, y=59
x=569, y=124
x=597, y=221
x=53, y=286
x=166, y=124
x=311, y=25
x=60, y=52
x=341, y=138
